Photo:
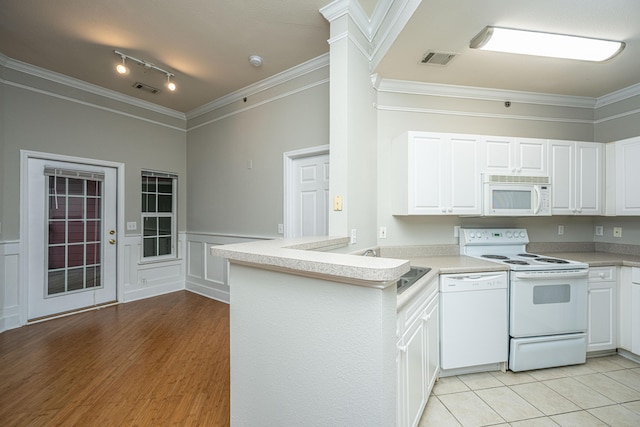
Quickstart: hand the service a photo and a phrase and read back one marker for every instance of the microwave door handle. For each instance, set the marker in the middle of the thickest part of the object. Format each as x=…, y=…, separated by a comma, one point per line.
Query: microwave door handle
x=536, y=191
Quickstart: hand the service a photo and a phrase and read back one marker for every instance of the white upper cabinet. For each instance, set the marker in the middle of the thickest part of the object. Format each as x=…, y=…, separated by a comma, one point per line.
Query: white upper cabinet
x=627, y=177
x=514, y=156
x=436, y=174
x=576, y=177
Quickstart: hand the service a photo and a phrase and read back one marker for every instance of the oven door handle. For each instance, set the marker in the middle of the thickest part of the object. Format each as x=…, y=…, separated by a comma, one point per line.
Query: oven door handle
x=550, y=274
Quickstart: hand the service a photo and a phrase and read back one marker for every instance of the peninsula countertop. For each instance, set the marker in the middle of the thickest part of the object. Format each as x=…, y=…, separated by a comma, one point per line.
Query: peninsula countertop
x=309, y=256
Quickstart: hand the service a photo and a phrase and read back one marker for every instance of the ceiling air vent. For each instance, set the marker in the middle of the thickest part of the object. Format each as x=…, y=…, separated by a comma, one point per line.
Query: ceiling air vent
x=146, y=88
x=437, y=58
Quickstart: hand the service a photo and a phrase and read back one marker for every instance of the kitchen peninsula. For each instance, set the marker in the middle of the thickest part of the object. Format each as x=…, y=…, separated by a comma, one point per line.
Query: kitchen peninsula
x=312, y=333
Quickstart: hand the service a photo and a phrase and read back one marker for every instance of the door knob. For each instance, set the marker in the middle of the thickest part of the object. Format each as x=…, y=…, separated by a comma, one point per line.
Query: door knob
x=112, y=232
x=112, y=241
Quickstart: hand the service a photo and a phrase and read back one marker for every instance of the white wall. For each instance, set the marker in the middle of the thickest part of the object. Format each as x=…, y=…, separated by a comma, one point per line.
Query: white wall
x=308, y=351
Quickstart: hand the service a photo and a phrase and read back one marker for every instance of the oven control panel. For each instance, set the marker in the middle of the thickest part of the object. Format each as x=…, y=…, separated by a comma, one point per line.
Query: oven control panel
x=493, y=236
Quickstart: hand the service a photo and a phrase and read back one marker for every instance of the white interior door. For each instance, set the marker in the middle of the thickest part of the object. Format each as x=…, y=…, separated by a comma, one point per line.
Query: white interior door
x=71, y=236
x=310, y=196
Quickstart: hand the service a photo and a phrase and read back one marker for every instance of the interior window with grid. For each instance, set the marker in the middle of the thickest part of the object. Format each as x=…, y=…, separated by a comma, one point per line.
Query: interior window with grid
x=158, y=214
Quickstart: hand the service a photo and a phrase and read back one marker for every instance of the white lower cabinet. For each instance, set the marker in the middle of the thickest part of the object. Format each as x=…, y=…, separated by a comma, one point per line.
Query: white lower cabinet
x=602, y=312
x=418, y=355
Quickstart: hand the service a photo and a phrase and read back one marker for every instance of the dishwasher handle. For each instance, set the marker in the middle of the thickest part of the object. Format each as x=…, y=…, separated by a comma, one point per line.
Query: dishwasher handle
x=474, y=277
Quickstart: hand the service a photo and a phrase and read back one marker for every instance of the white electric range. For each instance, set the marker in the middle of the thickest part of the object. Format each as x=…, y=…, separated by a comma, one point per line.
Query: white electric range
x=547, y=298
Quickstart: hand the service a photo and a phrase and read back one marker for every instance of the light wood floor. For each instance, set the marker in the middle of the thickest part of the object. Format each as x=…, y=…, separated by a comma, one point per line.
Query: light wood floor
x=159, y=361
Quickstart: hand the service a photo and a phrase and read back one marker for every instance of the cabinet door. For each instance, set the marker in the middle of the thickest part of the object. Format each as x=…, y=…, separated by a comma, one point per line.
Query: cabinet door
x=531, y=157
x=627, y=177
x=562, y=164
x=601, y=328
x=497, y=155
x=432, y=329
x=426, y=169
x=625, y=309
x=463, y=176
x=589, y=178
x=413, y=363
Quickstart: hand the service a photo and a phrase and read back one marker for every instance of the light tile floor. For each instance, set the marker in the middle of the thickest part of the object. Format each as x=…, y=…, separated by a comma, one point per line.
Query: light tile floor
x=605, y=391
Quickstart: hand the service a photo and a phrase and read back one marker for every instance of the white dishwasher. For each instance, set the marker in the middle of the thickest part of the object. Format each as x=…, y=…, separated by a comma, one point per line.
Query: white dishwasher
x=474, y=320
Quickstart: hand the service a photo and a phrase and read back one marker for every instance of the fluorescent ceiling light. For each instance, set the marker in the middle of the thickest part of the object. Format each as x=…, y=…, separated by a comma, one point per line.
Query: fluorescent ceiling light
x=545, y=44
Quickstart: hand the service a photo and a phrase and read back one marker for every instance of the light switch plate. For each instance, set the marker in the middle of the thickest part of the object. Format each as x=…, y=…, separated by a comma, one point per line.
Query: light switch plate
x=599, y=230
x=383, y=233
x=617, y=231
x=132, y=225
x=337, y=203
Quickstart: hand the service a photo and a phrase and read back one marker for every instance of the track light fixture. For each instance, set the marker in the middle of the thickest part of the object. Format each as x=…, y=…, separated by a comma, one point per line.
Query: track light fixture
x=122, y=68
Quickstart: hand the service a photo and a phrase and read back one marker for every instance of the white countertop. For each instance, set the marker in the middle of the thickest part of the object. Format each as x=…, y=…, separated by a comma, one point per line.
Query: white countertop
x=599, y=259
x=307, y=256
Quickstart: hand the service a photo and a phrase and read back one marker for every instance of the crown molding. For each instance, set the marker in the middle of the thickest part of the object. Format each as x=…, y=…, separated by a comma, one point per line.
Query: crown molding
x=52, y=76
x=339, y=8
x=390, y=18
x=486, y=94
x=618, y=95
x=268, y=83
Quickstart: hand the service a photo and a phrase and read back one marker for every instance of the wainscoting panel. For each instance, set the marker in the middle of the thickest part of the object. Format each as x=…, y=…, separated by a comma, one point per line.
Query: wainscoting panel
x=208, y=275
x=149, y=279
x=9, y=285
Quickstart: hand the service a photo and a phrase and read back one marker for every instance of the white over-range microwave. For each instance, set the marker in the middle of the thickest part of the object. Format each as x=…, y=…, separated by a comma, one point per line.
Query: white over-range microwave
x=515, y=195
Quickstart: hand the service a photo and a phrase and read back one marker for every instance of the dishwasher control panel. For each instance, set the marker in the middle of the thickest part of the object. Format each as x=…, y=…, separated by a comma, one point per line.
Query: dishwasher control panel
x=473, y=282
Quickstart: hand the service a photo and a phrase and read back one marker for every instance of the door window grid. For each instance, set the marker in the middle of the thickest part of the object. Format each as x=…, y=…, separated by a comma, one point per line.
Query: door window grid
x=74, y=235
x=158, y=214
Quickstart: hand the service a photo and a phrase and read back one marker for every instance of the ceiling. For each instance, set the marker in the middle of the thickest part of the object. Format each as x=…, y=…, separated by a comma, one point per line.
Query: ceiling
x=206, y=43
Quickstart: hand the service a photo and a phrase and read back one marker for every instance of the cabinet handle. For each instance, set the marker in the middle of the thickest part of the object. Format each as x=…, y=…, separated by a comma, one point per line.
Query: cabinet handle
x=601, y=275
x=426, y=317
x=450, y=209
x=403, y=348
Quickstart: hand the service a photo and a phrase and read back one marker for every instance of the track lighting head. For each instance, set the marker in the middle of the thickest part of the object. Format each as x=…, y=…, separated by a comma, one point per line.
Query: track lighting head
x=122, y=68
x=170, y=85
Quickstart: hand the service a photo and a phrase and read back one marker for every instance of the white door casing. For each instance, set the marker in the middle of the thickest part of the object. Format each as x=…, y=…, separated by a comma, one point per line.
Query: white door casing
x=306, y=198
x=38, y=300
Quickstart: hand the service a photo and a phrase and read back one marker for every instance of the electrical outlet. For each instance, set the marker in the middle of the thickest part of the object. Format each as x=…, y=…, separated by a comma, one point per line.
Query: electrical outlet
x=560, y=230
x=383, y=233
x=280, y=228
x=456, y=231
x=617, y=231
x=354, y=239
x=599, y=230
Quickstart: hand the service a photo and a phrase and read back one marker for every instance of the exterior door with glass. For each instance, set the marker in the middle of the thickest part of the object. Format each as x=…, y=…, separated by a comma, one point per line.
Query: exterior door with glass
x=71, y=236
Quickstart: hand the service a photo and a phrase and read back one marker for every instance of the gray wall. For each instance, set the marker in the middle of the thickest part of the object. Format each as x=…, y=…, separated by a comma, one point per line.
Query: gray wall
x=616, y=121
x=43, y=116
x=225, y=197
